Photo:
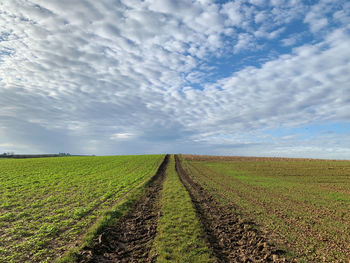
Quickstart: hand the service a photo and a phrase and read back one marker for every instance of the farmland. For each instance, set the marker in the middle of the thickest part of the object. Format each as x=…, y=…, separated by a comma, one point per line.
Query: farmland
x=177, y=220
x=47, y=204
x=161, y=227
x=182, y=208
x=303, y=205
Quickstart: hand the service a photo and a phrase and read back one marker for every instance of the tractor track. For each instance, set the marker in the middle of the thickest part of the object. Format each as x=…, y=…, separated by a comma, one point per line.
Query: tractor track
x=230, y=238
x=131, y=238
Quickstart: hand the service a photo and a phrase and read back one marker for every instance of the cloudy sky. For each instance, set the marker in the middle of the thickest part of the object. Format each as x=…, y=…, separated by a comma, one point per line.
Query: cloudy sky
x=253, y=77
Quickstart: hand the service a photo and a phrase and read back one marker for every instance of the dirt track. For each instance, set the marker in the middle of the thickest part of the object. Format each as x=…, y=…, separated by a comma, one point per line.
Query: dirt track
x=231, y=239
x=131, y=238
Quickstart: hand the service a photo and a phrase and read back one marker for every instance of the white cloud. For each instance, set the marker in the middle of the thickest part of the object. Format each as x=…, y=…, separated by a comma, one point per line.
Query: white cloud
x=7, y=145
x=327, y=12
x=245, y=42
x=87, y=71
x=233, y=12
x=121, y=136
x=258, y=2
x=307, y=85
x=291, y=40
x=316, y=24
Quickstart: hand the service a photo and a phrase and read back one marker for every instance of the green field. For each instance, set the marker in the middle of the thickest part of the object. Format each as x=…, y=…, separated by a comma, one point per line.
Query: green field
x=47, y=204
x=303, y=204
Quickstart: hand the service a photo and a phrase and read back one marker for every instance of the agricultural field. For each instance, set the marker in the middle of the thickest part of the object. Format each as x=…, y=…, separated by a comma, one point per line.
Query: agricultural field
x=48, y=204
x=163, y=226
x=182, y=208
x=303, y=205
x=176, y=220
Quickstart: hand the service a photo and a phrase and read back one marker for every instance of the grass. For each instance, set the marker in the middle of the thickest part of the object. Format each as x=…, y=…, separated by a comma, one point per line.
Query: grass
x=48, y=204
x=180, y=237
x=304, y=204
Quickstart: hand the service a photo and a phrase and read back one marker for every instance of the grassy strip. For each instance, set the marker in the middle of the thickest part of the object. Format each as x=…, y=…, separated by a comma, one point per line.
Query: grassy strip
x=108, y=218
x=180, y=236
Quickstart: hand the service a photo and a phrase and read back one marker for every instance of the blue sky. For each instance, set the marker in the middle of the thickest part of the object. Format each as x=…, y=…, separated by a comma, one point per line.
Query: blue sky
x=254, y=77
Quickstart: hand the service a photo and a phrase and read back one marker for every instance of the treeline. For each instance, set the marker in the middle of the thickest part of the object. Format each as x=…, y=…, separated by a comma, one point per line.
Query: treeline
x=19, y=156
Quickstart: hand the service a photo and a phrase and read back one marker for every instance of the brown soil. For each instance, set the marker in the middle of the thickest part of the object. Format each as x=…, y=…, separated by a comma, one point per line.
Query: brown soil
x=130, y=239
x=231, y=238
x=249, y=159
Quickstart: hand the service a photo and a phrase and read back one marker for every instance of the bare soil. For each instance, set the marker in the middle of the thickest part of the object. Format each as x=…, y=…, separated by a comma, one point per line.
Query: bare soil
x=130, y=239
x=231, y=238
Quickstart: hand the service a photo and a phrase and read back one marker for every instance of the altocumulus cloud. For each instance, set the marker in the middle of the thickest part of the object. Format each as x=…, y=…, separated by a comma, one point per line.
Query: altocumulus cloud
x=257, y=77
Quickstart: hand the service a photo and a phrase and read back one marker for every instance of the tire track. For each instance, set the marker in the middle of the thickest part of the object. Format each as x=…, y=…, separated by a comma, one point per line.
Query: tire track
x=130, y=239
x=230, y=238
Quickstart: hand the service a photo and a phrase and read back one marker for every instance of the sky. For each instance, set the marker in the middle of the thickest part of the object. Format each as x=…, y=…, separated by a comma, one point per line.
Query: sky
x=110, y=77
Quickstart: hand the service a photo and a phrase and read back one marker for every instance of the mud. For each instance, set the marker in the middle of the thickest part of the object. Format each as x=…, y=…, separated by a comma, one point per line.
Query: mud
x=130, y=239
x=231, y=238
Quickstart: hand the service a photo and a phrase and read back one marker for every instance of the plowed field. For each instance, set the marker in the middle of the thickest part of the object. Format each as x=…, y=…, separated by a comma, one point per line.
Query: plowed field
x=303, y=205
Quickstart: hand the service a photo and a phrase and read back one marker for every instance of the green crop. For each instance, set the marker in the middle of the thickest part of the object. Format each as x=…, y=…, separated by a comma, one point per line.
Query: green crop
x=47, y=204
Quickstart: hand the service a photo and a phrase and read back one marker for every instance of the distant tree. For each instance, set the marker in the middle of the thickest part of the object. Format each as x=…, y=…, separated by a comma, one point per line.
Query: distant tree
x=64, y=154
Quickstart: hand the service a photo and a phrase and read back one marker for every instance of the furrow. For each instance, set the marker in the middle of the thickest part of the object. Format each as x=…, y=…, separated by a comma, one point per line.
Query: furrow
x=231, y=238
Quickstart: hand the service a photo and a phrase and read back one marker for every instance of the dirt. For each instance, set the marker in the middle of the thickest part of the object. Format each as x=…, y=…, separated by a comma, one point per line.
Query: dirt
x=231, y=238
x=250, y=159
x=131, y=238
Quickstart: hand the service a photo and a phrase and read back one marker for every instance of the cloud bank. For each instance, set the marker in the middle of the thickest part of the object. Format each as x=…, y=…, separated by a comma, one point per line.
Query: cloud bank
x=129, y=77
